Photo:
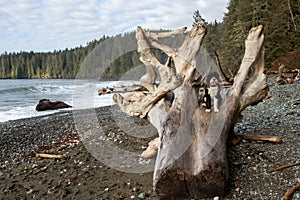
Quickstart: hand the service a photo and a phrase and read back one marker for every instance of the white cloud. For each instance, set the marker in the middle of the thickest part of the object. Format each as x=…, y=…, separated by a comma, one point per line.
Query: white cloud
x=45, y=25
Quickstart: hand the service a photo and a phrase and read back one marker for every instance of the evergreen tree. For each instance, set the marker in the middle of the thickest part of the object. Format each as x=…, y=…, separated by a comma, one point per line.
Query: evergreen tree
x=198, y=19
x=279, y=29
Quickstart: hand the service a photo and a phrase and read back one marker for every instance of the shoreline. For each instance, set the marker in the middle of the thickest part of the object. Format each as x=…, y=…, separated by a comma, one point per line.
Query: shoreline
x=79, y=175
x=36, y=117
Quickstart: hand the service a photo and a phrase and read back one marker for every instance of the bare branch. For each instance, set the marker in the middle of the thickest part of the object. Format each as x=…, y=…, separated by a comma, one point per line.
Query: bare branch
x=225, y=79
x=157, y=35
x=253, y=43
x=257, y=87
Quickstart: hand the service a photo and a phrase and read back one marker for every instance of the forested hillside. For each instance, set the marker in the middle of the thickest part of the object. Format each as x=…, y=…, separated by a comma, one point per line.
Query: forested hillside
x=281, y=20
x=56, y=64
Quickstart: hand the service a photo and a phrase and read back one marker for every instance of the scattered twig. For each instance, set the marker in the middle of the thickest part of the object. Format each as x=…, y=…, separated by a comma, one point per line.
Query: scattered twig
x=290, y=192
x=286, y=166
x=274, y=139
x=69, y=141
x=44, y=155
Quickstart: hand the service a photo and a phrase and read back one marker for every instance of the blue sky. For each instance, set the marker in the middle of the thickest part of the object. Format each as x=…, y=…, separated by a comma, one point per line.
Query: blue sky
x=45, y=25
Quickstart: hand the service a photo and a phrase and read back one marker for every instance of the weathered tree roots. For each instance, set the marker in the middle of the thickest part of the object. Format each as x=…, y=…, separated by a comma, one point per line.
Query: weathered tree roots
x=191, y=159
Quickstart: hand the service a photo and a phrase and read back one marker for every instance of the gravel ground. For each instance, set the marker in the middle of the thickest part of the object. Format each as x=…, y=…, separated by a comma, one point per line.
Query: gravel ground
x=82, y=176
x=251, y=163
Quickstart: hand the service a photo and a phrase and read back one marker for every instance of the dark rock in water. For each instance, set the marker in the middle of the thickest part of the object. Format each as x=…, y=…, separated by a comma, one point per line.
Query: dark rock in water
x=46, y=104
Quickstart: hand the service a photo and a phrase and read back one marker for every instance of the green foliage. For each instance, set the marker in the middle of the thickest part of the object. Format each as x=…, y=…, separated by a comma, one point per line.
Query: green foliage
x=66, y=63
x=56, y=64
x=281, y=35
x=281, y=21
x=198, y=19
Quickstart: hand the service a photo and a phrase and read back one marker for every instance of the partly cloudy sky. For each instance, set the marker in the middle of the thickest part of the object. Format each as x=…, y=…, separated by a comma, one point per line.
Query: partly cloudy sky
x=45, y=25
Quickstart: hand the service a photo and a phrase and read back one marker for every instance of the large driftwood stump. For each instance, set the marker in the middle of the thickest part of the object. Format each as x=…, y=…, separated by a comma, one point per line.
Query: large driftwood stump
x=191, y=160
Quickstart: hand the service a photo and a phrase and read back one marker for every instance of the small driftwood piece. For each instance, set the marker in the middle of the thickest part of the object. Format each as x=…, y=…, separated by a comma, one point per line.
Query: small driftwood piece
x=264, y=138
x=45, y=155
x=290, y=192
x=122, y=89
x=286, y=166
x=191, y=160
x=280, y=79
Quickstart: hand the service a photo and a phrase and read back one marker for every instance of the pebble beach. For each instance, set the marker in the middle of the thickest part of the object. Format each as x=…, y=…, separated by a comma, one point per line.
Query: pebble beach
x=80, y=175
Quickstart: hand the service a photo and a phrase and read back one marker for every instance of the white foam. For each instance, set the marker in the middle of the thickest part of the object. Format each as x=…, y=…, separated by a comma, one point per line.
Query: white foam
x=22, y=112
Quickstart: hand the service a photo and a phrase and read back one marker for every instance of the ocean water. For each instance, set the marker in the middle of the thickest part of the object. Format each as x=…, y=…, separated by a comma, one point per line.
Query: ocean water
x=19, y=97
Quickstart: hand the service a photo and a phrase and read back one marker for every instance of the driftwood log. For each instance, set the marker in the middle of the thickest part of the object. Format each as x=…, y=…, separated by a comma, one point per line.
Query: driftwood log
x=261, y=138
x=191, y=160
x=122, y=89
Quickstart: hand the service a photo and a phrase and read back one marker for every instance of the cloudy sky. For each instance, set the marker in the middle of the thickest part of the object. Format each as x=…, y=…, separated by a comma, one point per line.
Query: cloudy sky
x=45, y=25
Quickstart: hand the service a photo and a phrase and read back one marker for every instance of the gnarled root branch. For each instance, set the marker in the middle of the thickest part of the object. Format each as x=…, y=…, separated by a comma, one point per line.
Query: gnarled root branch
x=290, y=192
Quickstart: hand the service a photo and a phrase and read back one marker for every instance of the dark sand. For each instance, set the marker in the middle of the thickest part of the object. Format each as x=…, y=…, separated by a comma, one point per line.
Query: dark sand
x=79, y=175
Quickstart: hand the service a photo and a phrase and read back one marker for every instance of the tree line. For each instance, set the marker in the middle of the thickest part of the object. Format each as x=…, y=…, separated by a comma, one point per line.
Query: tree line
x=56, y=64
x=281, y=21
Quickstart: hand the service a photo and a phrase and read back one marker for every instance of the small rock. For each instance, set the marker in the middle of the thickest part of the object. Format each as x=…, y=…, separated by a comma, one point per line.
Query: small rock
x=142, y=195
x=118, y=196
x=29, y=191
